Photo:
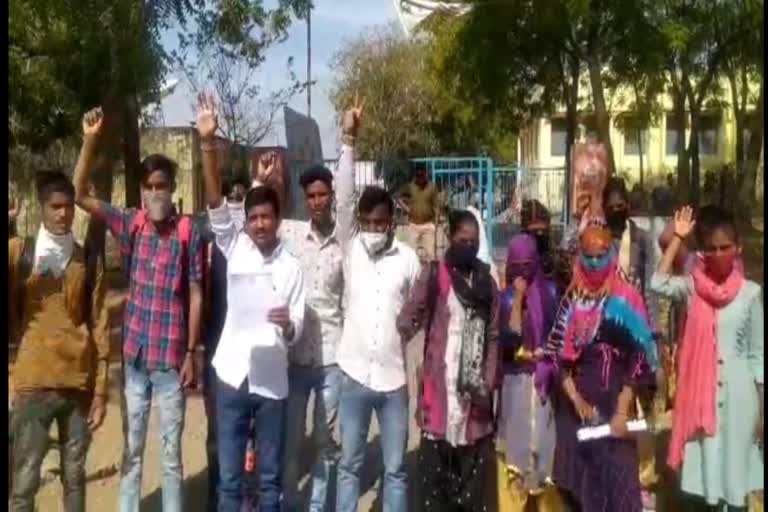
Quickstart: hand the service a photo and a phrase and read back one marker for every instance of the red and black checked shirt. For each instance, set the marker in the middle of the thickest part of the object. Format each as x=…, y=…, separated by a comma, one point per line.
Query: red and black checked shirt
x=155, y=327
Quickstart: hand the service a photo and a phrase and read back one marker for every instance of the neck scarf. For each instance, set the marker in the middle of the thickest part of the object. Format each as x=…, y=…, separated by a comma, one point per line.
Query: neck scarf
x=476, y=297
x=695, y=407
x=52, y=252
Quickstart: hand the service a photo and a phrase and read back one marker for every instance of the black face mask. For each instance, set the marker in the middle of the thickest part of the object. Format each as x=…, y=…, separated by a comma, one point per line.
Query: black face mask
x=462, y=256
x=616, y=220
x=542, y=241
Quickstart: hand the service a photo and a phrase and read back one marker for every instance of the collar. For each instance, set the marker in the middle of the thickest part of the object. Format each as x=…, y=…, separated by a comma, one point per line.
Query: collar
x=311, y=234
x=276, y=252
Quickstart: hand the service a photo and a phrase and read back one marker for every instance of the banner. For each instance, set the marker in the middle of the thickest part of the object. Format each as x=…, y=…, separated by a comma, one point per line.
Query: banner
x=589, y=175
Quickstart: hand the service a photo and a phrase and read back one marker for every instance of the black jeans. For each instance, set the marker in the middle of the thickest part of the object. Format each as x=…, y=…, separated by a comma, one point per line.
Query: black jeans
x=33, y=414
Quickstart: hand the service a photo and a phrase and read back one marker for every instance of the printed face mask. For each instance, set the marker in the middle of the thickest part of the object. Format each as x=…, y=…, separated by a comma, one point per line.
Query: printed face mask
x=594, y=264
x=158, y=204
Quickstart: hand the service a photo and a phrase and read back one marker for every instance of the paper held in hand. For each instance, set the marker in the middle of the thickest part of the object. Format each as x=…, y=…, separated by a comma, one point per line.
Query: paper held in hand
x=250, y=297
x=603, y=431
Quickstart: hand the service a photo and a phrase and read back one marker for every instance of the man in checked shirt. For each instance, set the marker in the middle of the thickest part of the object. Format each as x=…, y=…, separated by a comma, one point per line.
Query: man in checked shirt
x=162, y=315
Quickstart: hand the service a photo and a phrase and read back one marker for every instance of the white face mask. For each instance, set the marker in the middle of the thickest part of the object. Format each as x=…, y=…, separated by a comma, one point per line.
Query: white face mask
x=374, y=243
x=159, y=204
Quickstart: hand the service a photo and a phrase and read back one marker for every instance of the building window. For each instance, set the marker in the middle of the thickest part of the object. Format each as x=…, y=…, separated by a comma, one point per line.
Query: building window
x=631, y=142
x=673, y=140
x=557, y=139
x=709, y=128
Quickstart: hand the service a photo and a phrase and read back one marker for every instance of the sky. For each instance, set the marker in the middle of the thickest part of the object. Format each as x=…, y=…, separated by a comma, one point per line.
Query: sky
x=333, y=22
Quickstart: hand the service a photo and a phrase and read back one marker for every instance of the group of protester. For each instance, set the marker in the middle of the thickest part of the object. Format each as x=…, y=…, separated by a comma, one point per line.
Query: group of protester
x=514, y=365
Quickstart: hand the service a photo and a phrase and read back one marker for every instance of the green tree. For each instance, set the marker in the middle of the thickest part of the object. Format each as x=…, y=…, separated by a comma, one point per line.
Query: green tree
x=389, y=71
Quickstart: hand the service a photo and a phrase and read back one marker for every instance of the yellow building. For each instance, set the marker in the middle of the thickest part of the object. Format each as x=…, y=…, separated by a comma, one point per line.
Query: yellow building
x=542, y=140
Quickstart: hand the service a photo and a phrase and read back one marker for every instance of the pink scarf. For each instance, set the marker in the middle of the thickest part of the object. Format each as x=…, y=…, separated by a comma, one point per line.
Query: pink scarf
x=695, y=403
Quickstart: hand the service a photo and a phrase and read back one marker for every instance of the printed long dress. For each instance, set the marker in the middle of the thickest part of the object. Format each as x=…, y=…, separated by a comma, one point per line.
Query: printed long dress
x=526, y=427
x=600, y=475
x=728, y=466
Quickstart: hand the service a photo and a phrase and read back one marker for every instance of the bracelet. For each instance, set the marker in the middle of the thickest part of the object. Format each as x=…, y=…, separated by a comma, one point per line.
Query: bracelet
x=678, y=235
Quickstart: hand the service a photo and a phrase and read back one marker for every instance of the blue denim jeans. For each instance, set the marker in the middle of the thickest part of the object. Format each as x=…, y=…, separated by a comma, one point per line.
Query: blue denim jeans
x=325, y=382
x=234, y=410
x=139, y=386
x=356, y=406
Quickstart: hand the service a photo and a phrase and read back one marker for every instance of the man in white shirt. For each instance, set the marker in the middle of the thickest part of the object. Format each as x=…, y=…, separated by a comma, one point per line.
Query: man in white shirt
x=312, y=360
x=379, y=272
x=265, y=313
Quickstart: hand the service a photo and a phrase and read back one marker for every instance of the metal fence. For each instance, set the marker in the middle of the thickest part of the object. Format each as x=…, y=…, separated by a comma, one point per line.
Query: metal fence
x=495, y=190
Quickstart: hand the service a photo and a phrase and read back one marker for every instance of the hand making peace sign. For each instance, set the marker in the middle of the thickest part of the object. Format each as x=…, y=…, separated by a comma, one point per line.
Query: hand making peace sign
x=350, y=122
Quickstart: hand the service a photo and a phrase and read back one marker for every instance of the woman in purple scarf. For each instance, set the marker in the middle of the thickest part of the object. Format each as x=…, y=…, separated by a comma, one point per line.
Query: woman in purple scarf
x=526, y=430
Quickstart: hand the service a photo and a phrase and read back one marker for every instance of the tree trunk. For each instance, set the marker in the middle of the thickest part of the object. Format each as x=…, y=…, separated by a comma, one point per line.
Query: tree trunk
x=640, y=154
x=601, y=110
x=571, y=120
x=747, y=194
x=131, y=152
x=739, y=116
x=683, y=168
x=693, y=150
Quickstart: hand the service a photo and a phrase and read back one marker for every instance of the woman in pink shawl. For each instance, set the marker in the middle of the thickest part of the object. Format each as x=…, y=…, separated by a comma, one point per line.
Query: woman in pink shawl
x=604, y=352
x=717, y=427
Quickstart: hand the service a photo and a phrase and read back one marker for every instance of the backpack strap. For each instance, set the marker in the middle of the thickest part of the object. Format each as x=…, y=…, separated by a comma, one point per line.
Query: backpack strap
x=27, y=260
x=137, y=224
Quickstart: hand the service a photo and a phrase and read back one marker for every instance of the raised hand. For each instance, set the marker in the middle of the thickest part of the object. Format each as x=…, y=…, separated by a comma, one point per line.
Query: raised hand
x=350, y=122
x=266, y=166
x=684, y=222
x=207, y=118
x=92, y=122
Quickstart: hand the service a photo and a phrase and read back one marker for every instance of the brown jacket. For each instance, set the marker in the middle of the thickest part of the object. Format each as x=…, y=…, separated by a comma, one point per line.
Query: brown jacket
x=58, y=350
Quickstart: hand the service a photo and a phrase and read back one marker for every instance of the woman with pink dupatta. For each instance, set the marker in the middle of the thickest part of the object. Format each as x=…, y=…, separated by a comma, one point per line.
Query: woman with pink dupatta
x=717, y=426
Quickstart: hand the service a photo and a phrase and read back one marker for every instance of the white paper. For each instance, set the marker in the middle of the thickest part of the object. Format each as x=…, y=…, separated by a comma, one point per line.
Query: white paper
x=250, y=297
x=603, y=431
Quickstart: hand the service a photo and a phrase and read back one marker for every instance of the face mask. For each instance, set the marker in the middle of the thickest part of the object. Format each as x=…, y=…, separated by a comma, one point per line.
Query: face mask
x=462, y=256
x=542, y=241
x=719, y=265
x=515, y=270
x=158, y=204
x=374, y=243
x=616, y=219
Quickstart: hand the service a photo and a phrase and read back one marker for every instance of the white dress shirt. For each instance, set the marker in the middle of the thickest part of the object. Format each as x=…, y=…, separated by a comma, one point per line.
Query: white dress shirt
x=320, y=260
x=371, y=351
x=263, y=361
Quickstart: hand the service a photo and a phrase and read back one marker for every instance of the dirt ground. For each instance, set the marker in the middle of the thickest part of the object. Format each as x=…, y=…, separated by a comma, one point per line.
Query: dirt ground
x=104, y=457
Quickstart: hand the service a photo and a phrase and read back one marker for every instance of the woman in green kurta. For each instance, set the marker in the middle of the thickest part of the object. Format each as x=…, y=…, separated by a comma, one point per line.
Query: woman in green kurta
x=718, y=418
